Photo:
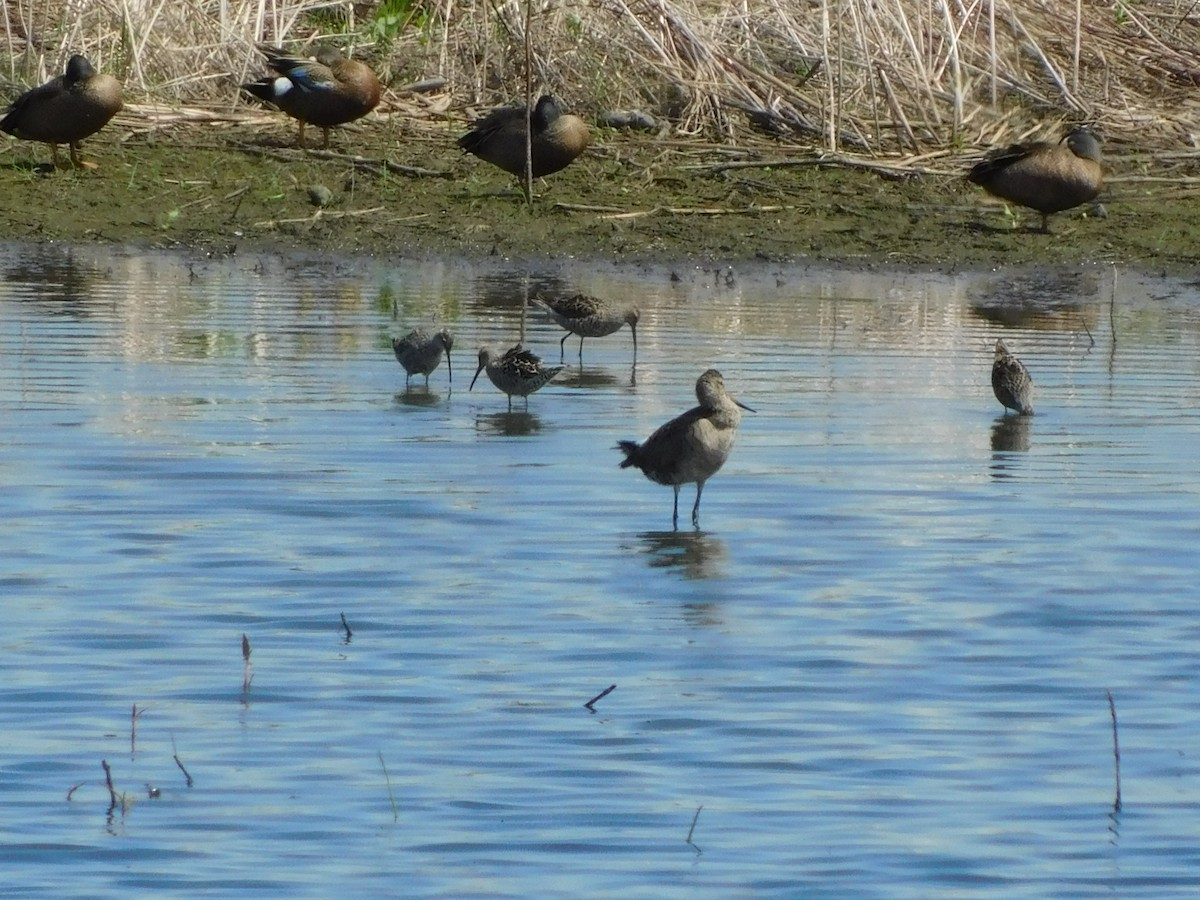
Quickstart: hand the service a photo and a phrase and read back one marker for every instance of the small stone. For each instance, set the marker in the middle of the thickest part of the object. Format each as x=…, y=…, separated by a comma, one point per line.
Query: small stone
x=319, y=195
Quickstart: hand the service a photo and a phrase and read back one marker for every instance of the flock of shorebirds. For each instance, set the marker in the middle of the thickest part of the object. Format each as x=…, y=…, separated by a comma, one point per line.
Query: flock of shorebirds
x=330, y=90
x=688, y=449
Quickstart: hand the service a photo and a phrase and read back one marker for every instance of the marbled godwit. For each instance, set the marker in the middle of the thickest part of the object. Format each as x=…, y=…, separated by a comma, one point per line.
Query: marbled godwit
x=1045, y=177
x=326, y=91
x=66, y=109
x=589, y=317
x=419, y=352
x=691, y=447
x=1011, y=382
x=517, y=372
x=499, y=138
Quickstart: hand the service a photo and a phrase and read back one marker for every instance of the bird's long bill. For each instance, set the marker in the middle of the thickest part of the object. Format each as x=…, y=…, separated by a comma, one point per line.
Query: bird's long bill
x=476, y=378
x=449, y=368
x=743, y=405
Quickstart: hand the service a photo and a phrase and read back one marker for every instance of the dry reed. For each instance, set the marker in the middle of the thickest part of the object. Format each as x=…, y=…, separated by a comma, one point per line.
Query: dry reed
x=881, y=76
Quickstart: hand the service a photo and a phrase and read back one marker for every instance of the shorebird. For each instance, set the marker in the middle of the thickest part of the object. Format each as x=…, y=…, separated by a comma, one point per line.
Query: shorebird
x=1011, y=382
x=420, y=352
x=499, y=138
x=517, y=372
x=326, y=91
x=1043, y=176
x=66, y=109
x=691, y=447
x=588, y=317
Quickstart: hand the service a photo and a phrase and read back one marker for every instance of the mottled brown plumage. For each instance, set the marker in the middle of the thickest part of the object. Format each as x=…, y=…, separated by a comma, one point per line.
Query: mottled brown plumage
x=589, y=316
x=420, y=352
x=1045, y=177
x=66, y=109
x=326, y=91
x=1011, y=382
x=499, y=138
x=691, y=447
x=517, y=372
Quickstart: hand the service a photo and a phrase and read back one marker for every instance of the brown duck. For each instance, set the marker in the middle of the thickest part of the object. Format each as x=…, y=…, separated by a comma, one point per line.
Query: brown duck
x=1043, y=176
x=326, y=91
x=66, y=109
x=499, y=138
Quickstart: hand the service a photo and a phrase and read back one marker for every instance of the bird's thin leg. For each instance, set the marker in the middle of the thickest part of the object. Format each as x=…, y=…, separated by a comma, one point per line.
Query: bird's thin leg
x=696, y=508
x=325, y=145
x=581, y=348
x=562, y=347
x=301, y=121
x=675, y=513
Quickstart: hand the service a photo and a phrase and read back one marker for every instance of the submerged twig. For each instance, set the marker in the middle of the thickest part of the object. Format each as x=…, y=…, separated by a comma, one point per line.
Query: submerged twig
x=346, y=626
x=133, y=717
x=112, y=792
x=692, y=830
x=1112, y=710
x=604, y=693
x=175, y=756
x=391, y=795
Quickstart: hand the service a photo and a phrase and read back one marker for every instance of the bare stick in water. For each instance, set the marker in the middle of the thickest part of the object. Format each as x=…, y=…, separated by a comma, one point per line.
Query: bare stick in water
x=600, y=696
x=133, y=717
x=112, y=793
x=247, y=668
x=692, y=830
x=1112, y=710
x=391, y=794
x=179, y=762
x=346, y=626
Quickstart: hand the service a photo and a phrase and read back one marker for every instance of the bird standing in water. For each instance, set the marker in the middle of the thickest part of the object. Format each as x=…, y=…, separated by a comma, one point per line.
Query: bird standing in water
x=588, y=317
x=1011, y=382
x=1043, y=176
x=420, y=352
x=517, y=372
x=326, y=91
x=691, y=447
x=66, y=109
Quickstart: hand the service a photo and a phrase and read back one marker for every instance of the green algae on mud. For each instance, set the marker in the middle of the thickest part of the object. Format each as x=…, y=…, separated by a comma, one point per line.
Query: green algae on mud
x=629, y=199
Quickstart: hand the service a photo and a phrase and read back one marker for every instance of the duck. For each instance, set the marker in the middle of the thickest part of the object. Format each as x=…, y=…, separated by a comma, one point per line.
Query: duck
x=1011, y=382
x=325, y=91
x=66, y=109
x=499, y=138
x=692, y=447
x=1045, y=177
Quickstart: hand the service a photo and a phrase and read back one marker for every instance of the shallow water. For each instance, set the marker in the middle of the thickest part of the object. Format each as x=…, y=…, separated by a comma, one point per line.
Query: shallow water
x=878, y=669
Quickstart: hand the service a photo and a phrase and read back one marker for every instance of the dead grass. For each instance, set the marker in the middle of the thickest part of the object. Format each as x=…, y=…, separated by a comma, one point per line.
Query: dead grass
x=881, y=77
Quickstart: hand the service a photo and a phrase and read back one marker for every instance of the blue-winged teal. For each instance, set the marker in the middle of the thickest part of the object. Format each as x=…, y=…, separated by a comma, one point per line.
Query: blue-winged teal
x=326, y=91
x=517, y=371
x=589, y=317
x=1011, y=382
x=1045, y=177
x=499, y=138
x=691, y=447
x=65, y=109
x=420, y=352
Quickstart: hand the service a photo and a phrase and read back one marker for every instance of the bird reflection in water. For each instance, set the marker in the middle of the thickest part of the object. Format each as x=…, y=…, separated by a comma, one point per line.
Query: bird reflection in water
x=1010, y=434
x=518, y=423
x=693, y=554
x=593, y=378
x=418, y=396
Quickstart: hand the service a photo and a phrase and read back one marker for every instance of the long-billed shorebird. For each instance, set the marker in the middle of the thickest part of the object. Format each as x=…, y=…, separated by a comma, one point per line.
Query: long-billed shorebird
x=589, y=317
x=420, y=352
x=517, y=371
x=1044, y=176
x=691, y=447
x=1011, y=382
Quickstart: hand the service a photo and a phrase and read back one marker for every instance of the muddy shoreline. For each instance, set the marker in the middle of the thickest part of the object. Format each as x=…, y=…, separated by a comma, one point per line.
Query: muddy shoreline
x=631, y=199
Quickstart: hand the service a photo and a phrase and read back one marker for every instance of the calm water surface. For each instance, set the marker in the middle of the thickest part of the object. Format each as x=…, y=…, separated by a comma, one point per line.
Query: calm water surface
x=879, y=666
